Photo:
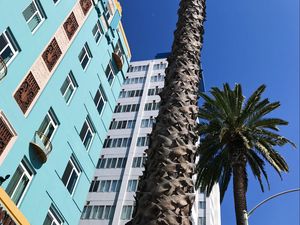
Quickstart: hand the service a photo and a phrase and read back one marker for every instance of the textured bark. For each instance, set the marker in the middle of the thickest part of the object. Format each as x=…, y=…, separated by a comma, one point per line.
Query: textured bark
x=165, y=192
x=238, y=163
x=239, y=189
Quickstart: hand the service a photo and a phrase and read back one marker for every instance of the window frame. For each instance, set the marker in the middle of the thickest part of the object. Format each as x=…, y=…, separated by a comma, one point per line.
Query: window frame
x=11, y=44
x=77, y=169
x=27, y=171
x=54, y=215
x=91, y=129
x=85, y=52
x=99, y=30
x=126, y=213
x=111, y=74
x=71, y=84
x=52, y=121
x=102, y=97
x=38, y=12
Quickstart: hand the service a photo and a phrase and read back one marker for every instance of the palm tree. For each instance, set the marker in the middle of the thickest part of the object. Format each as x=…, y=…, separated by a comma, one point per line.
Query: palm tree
x=235, y=133
x=165, y=191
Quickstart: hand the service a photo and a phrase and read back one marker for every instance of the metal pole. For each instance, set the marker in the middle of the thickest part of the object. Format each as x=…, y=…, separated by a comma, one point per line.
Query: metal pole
x=247, y=215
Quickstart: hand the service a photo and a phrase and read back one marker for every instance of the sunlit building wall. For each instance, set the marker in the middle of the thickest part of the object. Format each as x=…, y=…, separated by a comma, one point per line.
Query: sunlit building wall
x=62, y=64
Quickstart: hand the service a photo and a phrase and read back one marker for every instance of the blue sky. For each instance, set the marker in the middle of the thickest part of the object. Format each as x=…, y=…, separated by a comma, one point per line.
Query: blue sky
x=249, y=42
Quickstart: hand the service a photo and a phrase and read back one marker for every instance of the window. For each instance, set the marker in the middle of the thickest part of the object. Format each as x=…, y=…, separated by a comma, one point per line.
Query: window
x=109, y=186
x=201, y=221
x=119, y=50
x=151, y=106
x=99, y=212
x=201, y=205
x=142, y=141
x=20, y=182
x=138, y=162
x=48, y=127
x=126, y=212
x=87, y=133
x=53, y=217
x=69, y=87
x=147, y=122
x=117, y=142
x=127, y=108
x=97, y=31
x=34, y=15
x=122, y=124
x=56, y=1
x=100, y=99
x=8, y=46
x=109, y=72
x=104, y=163
x=85, y=56
x=132, y=185
x=71, y=175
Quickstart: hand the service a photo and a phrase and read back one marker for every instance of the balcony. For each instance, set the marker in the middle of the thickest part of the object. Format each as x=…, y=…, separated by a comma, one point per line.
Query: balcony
x=118, y=60
x=42, y=146
x=3, y=68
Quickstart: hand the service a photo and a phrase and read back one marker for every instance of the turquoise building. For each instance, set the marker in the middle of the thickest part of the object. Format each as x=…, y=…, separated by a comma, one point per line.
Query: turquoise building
x=62, y=64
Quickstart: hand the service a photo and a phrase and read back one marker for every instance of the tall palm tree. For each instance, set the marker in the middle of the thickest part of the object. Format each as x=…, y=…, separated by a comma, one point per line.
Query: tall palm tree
x=165, y=191
x=235, y=133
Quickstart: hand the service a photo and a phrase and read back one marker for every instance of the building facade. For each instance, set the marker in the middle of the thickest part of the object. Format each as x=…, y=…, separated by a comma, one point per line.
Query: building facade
x=111, y=196
x=62, y=64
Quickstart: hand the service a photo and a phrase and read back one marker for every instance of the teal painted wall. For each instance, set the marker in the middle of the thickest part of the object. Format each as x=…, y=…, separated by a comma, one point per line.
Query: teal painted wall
x=46, y=186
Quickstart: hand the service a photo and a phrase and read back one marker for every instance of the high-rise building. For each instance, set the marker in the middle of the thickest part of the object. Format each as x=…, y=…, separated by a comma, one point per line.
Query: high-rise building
x=111, y=196
x=62, y=64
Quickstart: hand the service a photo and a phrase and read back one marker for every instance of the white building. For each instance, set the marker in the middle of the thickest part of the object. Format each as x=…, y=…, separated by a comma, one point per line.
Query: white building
x=111, y=197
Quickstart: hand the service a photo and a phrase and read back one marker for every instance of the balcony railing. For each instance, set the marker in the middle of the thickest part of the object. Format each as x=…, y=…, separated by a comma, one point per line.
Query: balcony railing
x=42, y=146
x=3, y=68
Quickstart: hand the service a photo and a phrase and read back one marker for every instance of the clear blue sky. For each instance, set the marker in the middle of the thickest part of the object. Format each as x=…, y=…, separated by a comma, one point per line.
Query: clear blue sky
x=249, y=42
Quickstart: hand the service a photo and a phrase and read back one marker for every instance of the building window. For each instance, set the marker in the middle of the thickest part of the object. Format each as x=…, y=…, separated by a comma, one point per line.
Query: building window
x=20, y=182
x=147, y=122
x=117, y=142
x=111, y=163
x=85, y=56
x=109, y=72
x=98, y=212
x=97, y=31
x=8, y=47
x=138, y=162
x=48, y=127
x=53, y=217
x=122, y=124
x=126, y=212
x=201, y=221
x=132, y=185
x=142, y=141
x=69, y=87
x=201, y=205
x=109, y=186
x=100, y=99
x=71, y=175
x=34, y=15
x=87, y=133
x=56, y=1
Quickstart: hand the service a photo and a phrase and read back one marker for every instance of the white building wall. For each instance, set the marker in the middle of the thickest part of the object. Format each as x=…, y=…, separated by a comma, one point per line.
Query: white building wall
x=121, y=198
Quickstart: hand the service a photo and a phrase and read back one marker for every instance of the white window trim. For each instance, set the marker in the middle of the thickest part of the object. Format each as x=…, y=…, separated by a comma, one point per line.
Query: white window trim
x=87, y=53
x=53, y=122
x=37, y=12
x=102, y=96
x=30, y=177
x=99, y=30
x=56, y=3
x=92, y=130
x=77, y=171
x=15, y=52
x=113, y=72
x=54, y=215
x=71, y=83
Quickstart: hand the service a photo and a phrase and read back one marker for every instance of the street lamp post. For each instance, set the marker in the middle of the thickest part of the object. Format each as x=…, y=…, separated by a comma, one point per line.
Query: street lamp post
x=247, y=214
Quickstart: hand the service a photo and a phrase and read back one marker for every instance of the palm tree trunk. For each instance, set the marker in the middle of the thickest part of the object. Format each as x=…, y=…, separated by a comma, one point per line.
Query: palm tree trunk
x=165, y=192
x=239, y=189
